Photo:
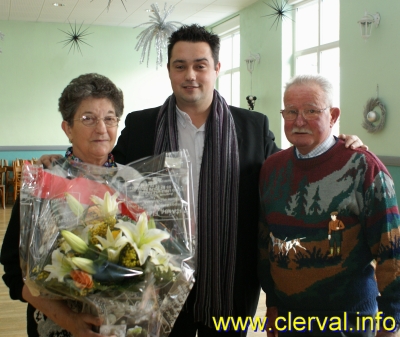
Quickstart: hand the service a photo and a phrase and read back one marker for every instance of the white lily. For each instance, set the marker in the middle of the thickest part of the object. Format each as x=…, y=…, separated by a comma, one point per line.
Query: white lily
x=113, y=245
x=142, y=238
x=75, y=206
x=108, y=206
x=75, y=242
x=83, y=233
x=162, y=262
x=65, y=247
x=84, y=264
x=60, y=266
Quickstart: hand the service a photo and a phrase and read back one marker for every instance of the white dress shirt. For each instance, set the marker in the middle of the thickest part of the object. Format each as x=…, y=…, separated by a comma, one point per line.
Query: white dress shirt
x=191, y=138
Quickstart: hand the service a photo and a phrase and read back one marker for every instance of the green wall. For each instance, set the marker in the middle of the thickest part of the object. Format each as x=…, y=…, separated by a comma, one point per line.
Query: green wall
x=364, y=65
x=35, y=68
x=257, y=36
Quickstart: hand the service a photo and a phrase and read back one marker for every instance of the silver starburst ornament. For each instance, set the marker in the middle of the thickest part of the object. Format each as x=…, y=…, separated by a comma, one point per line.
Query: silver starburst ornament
x=158, y=29
x=1, y=38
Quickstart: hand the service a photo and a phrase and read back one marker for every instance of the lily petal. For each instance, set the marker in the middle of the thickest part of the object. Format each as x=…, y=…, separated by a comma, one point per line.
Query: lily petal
x=142, y=224
x=75, y=206
x=84, y=264
x=60, y=266
x=129, y=230
x=154, y=235
x=143, y=253
x=158, y=247
x=109, y=205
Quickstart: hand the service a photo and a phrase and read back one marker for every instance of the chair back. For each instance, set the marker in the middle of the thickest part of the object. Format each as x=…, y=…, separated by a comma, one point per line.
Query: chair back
x=3, y=170
x=18, y=162
x=17, y=180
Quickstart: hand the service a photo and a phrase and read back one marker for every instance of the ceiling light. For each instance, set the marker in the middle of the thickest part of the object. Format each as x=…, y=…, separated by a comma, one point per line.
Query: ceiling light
x=57, y=4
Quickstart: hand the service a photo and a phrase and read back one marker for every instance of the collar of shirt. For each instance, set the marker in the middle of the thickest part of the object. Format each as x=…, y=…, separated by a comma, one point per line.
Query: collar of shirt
x=184, y=119
x=320, y=149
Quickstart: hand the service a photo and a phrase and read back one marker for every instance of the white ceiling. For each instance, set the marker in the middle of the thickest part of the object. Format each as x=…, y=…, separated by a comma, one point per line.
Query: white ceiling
x=95, y=12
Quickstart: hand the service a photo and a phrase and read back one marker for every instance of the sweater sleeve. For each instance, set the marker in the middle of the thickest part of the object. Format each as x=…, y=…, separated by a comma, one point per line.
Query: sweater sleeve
x=382, y=219
x=10, y=256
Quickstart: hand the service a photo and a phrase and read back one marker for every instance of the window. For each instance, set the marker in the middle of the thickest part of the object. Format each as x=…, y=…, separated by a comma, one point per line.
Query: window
x=228, y=82
x=317, y=40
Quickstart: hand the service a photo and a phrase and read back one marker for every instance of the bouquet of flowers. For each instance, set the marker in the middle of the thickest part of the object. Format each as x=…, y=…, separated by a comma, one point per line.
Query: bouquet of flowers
x=117, y=241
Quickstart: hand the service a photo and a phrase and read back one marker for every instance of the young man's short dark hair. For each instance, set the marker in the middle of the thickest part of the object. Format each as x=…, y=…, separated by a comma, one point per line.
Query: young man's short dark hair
x=195, y=33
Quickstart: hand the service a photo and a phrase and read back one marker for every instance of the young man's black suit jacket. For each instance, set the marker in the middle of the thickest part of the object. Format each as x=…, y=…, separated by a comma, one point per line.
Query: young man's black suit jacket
x=256, y=143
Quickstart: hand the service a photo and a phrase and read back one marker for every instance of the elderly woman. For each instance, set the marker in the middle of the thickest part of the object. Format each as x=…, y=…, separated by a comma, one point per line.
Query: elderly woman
x=91, y=106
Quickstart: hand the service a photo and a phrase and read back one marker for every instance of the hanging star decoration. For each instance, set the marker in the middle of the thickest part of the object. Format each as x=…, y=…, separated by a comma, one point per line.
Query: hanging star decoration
x=75, y=37
x=158, y=29
x=1, y=38
x=280, y=11
x=110, y=1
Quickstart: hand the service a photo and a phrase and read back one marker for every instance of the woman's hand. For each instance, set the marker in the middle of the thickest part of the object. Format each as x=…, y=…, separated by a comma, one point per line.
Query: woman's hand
x=272, y=315
x=47, y=159
x=78, y=324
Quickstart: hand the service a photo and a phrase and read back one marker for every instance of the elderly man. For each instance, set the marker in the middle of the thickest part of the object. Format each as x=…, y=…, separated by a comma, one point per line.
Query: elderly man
x=311, y=291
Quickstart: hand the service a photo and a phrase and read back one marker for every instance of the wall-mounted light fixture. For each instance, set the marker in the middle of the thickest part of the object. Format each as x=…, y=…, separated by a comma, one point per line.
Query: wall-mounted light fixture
x=366, y=23
x=250, y=62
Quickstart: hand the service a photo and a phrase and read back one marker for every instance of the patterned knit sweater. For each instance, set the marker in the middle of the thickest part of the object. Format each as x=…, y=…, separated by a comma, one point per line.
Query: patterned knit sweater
x=314, y=261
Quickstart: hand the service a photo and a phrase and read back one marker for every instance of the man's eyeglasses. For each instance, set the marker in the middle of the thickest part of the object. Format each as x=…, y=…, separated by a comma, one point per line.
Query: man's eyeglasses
x=91, y=120
x=309, y=114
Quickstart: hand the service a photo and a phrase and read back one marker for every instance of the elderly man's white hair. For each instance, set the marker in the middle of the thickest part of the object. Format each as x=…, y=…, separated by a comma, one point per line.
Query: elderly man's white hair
x=321, y=81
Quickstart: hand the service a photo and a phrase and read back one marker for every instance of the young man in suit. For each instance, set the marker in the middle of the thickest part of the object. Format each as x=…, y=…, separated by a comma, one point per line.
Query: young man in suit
x=227, y=146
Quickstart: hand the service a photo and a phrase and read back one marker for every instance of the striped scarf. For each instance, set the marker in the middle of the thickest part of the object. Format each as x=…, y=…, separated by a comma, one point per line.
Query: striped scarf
x=217, y=206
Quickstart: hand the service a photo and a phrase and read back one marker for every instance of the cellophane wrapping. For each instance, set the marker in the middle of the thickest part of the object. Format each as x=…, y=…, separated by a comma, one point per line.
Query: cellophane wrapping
x=118, y=243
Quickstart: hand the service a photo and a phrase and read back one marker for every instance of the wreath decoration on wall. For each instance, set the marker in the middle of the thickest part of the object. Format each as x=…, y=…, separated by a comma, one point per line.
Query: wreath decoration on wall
x=374, y=121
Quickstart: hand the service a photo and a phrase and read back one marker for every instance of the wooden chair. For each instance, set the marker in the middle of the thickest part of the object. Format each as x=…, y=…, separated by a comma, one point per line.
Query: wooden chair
x=3, y=162
x=3, y=170
x=8, y=183
x=17, y=180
